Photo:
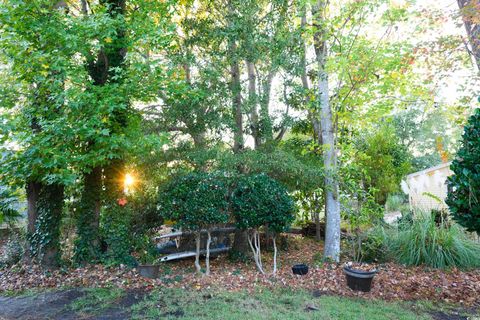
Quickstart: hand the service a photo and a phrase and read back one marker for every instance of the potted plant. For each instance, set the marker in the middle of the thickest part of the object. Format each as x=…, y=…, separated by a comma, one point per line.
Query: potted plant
x=363, y=214
x=147, y=257
x=146, y=266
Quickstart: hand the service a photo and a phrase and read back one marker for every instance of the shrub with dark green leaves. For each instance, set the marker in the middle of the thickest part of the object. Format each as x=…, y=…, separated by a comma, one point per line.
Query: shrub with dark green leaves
x=196, y=201
x=260, y=201
x=464, y=186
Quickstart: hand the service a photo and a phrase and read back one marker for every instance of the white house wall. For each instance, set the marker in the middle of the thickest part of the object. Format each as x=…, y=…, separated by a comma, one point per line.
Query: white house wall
x=424, y=187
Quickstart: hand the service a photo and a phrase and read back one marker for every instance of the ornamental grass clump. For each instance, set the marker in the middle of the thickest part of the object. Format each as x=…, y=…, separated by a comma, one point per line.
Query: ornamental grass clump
x=437, y=245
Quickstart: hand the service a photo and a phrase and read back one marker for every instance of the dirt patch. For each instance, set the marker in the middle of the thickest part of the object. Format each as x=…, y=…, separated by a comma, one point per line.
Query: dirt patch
x=48, y=305
x=54, y=305
x=438, y=315
x=121, y=310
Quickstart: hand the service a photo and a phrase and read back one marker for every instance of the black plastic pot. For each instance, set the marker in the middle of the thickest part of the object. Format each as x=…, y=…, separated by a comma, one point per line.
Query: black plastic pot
x=359, y=280
x=148, y=270
x=300, y=269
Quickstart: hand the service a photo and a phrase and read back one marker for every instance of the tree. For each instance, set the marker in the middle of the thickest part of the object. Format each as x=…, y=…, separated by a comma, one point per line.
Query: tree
x=196, y=201
x=464, y=186
x=469, y=10
x=114, y=64
x=259, y=201
x=41, y=126
x=384, y=162
x=327, y=137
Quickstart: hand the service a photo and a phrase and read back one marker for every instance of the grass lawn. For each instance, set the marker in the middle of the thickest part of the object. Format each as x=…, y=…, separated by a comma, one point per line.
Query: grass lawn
x=115, y=303
x=264, y=305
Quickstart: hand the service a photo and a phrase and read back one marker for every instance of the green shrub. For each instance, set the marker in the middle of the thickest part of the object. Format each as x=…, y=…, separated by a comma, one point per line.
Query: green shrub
x=464, y=186
x=424, y=242
x=260, y=201
x=373, y=247
x=196, y=201
x=395, y=202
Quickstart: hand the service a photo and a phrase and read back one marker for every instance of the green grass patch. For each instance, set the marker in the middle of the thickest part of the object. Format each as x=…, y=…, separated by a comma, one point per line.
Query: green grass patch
x=96, y=300
x=278, y=304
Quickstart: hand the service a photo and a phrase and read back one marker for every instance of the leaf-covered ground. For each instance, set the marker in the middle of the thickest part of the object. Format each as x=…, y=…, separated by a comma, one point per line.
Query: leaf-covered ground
x=393, y=282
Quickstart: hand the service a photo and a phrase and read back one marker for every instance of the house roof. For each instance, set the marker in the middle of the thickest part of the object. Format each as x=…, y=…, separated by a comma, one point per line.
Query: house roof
x=425, y=171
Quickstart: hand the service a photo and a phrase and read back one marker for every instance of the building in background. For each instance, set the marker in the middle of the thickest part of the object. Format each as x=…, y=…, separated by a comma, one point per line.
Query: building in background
x=427, y=189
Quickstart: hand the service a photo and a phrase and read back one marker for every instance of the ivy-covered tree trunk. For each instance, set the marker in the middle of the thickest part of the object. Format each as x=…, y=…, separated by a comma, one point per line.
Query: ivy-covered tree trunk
x=332, y=204
x=102, y=70
x=32, y=191
x=44, y=242
x=87, y=244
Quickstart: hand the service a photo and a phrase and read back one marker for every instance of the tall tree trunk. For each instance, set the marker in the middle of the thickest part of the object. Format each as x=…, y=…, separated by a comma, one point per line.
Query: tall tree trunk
x=470, y=11
x=266, y=122
x=305, y=82
x=235, y=87
x=32, y=190
x=237, y=106
x=87, y=245
x=311, y=114
x=332, y=205
x=114, y=178
x=45, y=241
x=240, y=244
x=252, y=104
x=318, y=235
x=102, y=71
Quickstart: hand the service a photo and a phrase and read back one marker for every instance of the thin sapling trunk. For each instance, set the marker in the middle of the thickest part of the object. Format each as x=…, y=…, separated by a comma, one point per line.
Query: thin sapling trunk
x=274, y=255
x=207, y=258
x=197, y=253
x=253, y=241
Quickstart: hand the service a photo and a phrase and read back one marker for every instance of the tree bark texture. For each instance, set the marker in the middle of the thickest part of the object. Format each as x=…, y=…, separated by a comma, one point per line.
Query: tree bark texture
x=252, y=104
x=332, y=205
x=44, y=243
x=470, y=12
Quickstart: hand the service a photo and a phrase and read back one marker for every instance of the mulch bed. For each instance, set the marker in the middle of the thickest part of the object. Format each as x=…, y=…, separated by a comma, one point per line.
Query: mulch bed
x=393, y=282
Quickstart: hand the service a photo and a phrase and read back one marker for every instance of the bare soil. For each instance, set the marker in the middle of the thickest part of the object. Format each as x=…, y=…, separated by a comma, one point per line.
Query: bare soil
x=55, y=305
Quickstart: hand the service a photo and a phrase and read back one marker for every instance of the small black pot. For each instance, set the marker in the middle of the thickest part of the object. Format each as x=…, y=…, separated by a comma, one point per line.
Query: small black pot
x=148, y=270
x=359, y=280
x=300, y=269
